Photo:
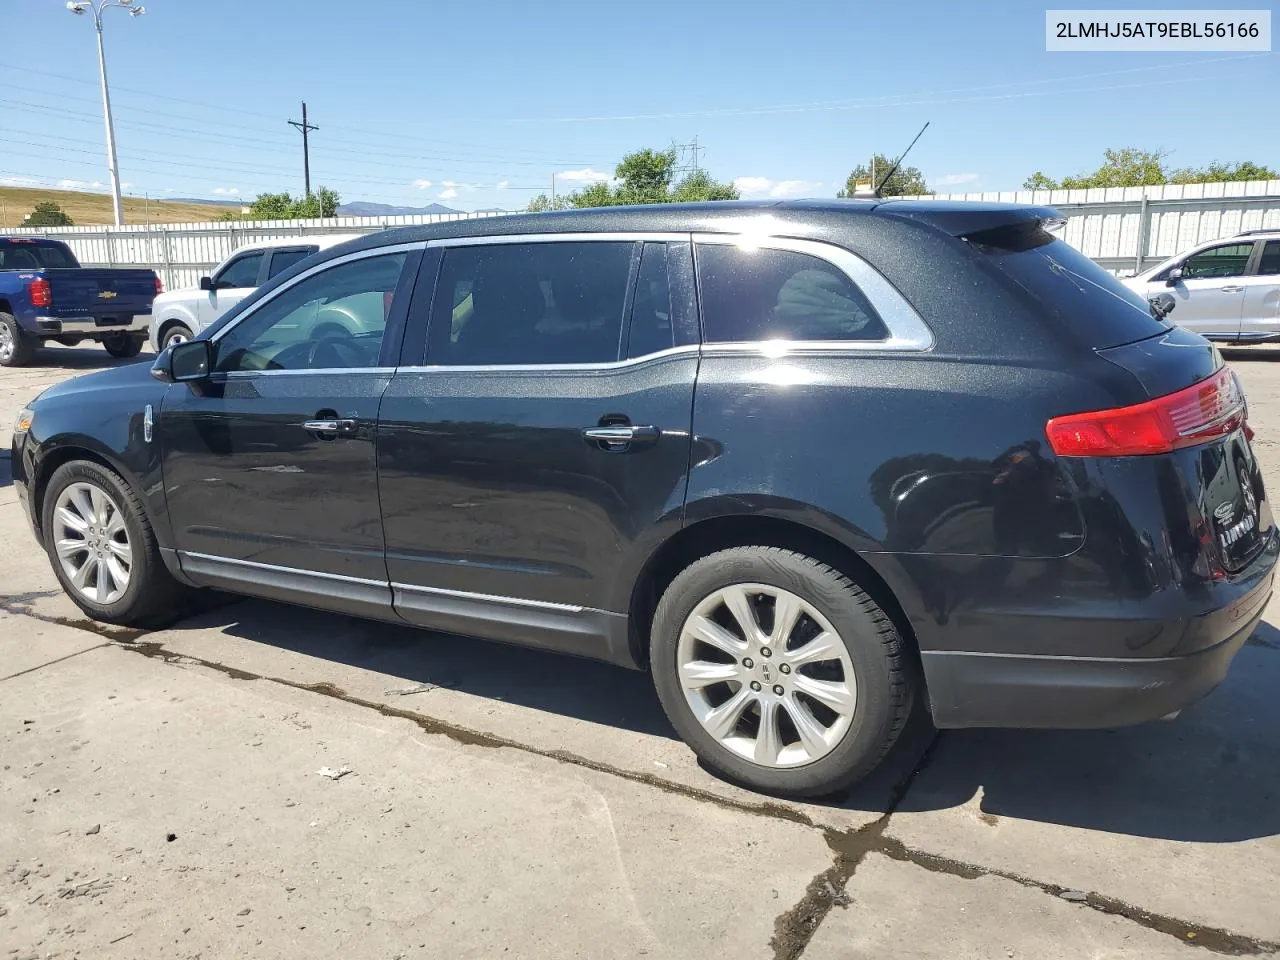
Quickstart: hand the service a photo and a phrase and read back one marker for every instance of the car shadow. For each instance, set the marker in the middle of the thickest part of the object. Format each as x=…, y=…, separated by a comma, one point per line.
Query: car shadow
x=6, y=469
x=85, y=358
x=1211, y=775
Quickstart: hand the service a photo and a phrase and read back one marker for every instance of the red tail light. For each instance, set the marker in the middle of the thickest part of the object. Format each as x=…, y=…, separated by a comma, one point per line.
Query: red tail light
x=41, y=294
x=159, y=286
x=1211, y=408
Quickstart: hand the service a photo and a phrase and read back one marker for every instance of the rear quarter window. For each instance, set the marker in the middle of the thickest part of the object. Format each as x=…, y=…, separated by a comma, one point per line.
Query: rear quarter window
x=1070, y=287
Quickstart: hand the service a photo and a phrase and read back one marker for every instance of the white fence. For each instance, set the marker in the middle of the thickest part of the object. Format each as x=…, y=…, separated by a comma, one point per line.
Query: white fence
x=1122, y=228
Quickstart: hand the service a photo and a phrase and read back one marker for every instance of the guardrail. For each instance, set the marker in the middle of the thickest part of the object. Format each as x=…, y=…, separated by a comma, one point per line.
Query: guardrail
x=1122, y=228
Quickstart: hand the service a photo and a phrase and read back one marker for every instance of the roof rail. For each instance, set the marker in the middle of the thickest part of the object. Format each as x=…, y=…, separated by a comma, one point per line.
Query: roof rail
x=1253, y=233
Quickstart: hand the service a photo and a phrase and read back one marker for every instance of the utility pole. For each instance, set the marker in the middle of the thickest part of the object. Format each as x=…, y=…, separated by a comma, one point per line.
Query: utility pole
x=99, y=7
x=553, y=189
x=691, y=150
x=306, y=151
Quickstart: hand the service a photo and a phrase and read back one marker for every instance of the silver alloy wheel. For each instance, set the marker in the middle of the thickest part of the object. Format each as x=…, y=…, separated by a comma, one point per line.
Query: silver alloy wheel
x=767, y=675
x=92, y=542
x=6, y=342
x=175, y=337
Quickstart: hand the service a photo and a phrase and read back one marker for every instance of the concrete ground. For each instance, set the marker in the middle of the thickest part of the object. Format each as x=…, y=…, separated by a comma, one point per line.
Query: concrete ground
x=161, y=795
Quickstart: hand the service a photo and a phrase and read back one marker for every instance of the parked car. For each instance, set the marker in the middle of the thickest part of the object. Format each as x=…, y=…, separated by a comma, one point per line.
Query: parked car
x=1226, y=290
x=180, y=314
x=45, y=295
x=806, y=462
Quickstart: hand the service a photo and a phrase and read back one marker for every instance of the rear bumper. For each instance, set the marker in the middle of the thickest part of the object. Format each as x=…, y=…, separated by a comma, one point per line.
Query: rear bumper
x=1015, y=690
x=86, y=326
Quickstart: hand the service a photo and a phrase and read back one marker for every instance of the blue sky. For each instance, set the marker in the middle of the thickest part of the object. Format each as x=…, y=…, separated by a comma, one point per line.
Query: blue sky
x=477, y=104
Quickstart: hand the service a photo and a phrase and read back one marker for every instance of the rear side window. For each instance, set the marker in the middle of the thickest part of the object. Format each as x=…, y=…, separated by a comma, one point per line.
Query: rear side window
x=1067, y=284
x=242, y=271
x=652, y=314
x=1269, y=265
x=282, y=260
x=530, y=303
x=753, y=294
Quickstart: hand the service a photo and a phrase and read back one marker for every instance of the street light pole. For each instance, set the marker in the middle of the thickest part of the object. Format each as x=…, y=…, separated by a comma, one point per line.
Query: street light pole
x=113, y=168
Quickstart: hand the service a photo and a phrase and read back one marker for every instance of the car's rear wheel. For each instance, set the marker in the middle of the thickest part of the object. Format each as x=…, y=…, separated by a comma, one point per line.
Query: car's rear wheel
x=15, y=346
x=178, y=333
x=779, y=671
x=123, y=346
x=102, y=548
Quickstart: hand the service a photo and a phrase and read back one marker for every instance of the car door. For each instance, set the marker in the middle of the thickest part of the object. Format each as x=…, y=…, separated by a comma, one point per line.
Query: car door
x=1210, y=293
x=269, y=465
x=1260, y=317
x=235, y=280
x=543, y=448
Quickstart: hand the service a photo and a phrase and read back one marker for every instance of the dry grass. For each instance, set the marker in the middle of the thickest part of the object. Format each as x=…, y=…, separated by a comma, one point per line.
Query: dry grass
x=95, y=208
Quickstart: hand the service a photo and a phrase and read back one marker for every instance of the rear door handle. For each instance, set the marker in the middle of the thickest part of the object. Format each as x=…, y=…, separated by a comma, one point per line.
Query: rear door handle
x=621, y=436
x=330, y=428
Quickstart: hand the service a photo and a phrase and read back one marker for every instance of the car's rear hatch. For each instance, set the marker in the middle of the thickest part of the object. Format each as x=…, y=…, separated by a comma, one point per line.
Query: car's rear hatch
x=1190, y=408
x=116, y=293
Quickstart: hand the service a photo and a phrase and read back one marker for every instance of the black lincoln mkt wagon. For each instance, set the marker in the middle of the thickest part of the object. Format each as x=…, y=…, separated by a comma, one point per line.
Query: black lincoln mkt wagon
x=805, y=462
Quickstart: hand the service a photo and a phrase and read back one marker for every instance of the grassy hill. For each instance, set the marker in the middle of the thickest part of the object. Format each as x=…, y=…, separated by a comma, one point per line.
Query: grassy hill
x=95, y=208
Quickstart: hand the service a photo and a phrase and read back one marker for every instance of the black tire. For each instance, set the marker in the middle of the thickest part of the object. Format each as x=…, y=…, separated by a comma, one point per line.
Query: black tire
x=152, y=596
x=884, y=684
x=19, y=345
x=175, y=331
x=123, y=347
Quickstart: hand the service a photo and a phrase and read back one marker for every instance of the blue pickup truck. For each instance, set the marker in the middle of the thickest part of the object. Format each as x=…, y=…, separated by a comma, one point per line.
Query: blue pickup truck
x=45, y=295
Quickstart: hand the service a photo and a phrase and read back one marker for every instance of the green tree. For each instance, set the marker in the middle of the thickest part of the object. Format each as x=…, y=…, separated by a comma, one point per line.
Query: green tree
x=1218, y=172
x=905, y=182
x=47, y=214
x=1126, y=167
x=542, y=203
x=645, y=176
x=270, y=206
x=1039, y=181
x=323, y=202
x=700, y=186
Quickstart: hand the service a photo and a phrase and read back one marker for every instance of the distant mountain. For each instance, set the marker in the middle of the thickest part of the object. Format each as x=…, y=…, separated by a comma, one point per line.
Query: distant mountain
x=363, y=208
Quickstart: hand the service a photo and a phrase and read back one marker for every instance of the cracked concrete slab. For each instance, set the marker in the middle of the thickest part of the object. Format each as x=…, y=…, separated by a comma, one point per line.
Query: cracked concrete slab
x=427, y=848
x=901, y=911
x=1181, y=818
x=29, y=644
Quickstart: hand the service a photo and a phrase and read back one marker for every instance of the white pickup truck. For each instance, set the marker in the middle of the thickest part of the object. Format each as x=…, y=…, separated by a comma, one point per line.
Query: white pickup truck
x=181, y=314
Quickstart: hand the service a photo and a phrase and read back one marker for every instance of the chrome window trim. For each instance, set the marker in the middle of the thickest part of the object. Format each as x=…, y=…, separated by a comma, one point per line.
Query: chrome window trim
x=621, y=236
x=689, y=349
x=297, y=571
x=319, y=371
x=907, y=329
x=487, y=597
x=311, y=272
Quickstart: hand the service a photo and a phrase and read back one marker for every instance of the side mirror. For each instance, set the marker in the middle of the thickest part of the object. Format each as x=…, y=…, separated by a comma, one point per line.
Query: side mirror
x=206, y=283
x=184, y=362
x=1174, y=276
x=1163, y=303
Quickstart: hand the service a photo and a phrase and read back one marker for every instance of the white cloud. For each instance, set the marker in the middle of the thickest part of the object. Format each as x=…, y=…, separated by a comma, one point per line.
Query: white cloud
x=763, y=186
x=448, y=184
x=421, y=184
x=954, y=179
x=502, y=184
x=585, y=175
x=80, y=184
x=19, y=181
x=227, y=191
x=448, y=193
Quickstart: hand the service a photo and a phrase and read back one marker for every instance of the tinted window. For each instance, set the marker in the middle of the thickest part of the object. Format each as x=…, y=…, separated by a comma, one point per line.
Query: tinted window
x=282, y=260
x=242, y=271
x=652, y=327
x=1270, y=263
x=530, y=303
x=34, y=256
x=332, y=319
x=779, y=295
x=1067, y=284
x=1225, y=261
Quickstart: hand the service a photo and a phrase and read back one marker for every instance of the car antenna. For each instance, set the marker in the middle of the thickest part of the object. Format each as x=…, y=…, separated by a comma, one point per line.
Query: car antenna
x=876, y=188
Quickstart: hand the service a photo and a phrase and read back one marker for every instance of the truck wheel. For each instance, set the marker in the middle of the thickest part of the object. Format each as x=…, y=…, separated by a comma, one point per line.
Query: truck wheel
x=123, y=346
x=779, y=671
x=102, y=548
x=16, y=346
x=178, y=333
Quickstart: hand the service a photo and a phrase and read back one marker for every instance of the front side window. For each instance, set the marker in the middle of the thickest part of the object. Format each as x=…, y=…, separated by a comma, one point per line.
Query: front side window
x=752, y=294
x=241, y=272
x=1217, y=262
x=332, y=319
x=530, y=303
x=1269, y=265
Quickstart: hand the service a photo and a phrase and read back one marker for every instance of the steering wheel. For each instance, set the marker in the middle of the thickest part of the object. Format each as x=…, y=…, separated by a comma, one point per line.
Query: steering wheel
x=334, y=352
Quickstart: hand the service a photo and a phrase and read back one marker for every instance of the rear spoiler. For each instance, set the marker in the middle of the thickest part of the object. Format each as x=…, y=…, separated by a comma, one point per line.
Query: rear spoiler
x=961, y=218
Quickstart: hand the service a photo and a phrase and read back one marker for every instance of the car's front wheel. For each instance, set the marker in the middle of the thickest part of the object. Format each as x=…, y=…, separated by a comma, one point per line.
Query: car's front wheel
x=779, y=671
x=102, y=548
x=178, y=333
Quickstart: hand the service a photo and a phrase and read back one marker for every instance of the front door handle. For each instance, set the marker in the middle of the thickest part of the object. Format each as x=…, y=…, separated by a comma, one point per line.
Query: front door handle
x=330, y=428
x=618, y=437
x=1232, y=289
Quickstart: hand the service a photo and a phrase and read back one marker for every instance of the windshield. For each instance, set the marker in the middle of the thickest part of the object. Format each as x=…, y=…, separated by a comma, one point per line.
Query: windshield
x=23, y=255
x=1073, y=287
